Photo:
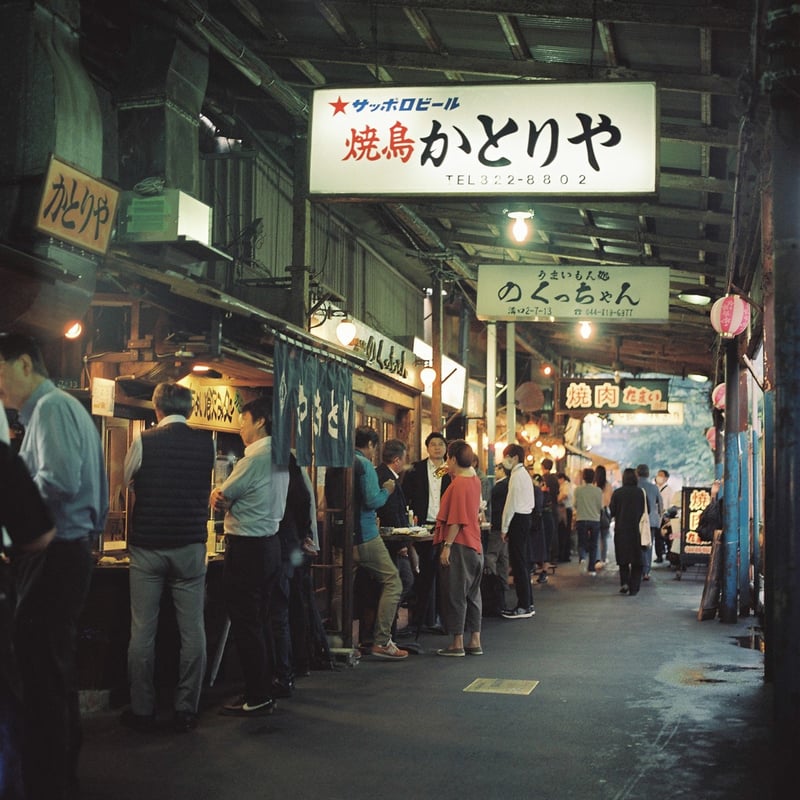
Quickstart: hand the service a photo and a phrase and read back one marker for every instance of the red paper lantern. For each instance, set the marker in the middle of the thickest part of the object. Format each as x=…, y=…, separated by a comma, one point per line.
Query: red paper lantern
x=711, y=438
x=718, y=396
x=730, y=315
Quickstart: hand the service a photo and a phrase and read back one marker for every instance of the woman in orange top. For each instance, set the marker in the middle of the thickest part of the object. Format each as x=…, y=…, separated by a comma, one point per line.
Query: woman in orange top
x=458, y=536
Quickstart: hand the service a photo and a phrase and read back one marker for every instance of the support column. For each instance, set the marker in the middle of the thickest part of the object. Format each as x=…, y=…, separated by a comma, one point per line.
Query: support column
x=491, y=393
x=436, y=347
x=297, y=301
x=782, y=81
x=730, y=533
x=511, y=382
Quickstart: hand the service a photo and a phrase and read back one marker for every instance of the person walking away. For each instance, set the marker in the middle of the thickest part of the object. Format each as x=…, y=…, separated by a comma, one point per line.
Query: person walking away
x=458, y=537
x=655, y=510
x=588, y=507
x=169, y=469
x=550, y=510
x=537, y=554
x=602, y=483
x=516, y=527
x=370, y=551
x=253, y=497
x=627, y=506
x=566, y=502
x=64, y=455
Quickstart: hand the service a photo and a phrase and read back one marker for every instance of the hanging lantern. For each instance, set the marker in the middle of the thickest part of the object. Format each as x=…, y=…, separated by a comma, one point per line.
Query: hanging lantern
x=718, y=396
x=711, y=438
x=530, y=431
x=730, y=315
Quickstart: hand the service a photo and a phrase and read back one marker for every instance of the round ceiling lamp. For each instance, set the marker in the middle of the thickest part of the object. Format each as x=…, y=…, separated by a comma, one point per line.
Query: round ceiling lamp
x=730, y=315
x=73, y=330
x=699, y=296
x=346, y=332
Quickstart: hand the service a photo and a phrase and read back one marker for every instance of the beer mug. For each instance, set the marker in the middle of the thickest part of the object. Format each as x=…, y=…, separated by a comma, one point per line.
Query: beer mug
x=440, y=472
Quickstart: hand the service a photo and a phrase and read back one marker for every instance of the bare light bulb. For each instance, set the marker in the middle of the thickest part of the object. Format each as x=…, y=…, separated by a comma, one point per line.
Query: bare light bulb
x=427, y=375
x=585, y=329
x=520, y=229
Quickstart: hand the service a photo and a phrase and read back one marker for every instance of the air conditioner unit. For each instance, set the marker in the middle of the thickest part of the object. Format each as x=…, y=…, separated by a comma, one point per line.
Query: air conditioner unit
x=170, y=217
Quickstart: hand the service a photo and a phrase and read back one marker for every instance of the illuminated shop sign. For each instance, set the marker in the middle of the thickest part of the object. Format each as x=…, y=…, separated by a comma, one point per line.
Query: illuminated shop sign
x=531, y=139
x=694, y=501
x=607, y=396
x=77, y=208
x=541, y=293
x=215, y=406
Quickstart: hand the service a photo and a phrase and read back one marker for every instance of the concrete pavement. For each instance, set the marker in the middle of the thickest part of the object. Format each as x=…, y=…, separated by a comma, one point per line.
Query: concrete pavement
x=635, y=699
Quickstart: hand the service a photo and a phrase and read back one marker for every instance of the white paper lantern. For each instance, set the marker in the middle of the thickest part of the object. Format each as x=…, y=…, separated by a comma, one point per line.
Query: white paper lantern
x=730, y=315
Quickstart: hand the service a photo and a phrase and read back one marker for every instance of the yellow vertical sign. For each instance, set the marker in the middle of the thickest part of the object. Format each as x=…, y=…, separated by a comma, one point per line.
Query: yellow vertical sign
x=76, y=207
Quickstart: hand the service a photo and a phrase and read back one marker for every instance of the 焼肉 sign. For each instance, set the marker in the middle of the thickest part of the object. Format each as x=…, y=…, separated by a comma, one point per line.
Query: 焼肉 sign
x=605, y=396
x=508, y=139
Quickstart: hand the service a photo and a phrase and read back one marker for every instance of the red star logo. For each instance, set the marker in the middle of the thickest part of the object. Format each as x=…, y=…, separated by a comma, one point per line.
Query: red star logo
x=339, y=106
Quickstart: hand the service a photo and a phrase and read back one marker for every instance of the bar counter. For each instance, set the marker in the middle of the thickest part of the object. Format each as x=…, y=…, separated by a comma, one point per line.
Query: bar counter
x=104, y=630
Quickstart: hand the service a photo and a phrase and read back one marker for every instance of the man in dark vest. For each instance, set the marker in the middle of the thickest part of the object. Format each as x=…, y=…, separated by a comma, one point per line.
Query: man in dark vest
x=170, y=467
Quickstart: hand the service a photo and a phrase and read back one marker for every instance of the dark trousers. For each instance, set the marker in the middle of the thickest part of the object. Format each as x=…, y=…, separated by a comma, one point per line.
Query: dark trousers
x=518, y=543
x=279, y=626
x=588, y=532
x=252, y=568
x=549, y=526
x=630, y=575
x=52, y=589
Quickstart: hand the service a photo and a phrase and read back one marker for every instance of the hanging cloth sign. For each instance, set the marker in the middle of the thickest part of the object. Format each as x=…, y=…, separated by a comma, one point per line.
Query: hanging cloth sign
x=312, y=408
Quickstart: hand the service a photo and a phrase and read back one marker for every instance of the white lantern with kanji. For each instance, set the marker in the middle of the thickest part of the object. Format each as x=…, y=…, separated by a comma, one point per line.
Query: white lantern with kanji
x=730, y=315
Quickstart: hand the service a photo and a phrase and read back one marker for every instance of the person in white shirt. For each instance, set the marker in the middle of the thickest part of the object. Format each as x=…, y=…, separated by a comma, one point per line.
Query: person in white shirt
x=515, y=527
x=661, y=544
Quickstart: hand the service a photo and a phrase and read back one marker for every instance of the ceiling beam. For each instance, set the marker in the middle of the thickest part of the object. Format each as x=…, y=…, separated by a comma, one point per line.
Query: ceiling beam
x=496, y=68
x=736, y=15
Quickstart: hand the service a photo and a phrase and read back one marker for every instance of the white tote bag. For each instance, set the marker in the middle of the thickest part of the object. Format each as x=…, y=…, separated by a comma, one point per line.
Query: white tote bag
x=644, y=525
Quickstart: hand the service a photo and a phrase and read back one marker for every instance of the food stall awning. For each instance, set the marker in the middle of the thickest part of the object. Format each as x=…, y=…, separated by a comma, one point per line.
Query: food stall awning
x=595, y=458
x=239, y=360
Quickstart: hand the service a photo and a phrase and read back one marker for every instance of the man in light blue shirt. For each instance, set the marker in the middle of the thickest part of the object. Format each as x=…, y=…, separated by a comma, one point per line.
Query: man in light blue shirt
x=64, y=456
x=254, y=500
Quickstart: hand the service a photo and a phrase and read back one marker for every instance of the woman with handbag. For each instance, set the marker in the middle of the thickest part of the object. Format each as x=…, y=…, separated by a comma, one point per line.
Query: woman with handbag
x=627, y=506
